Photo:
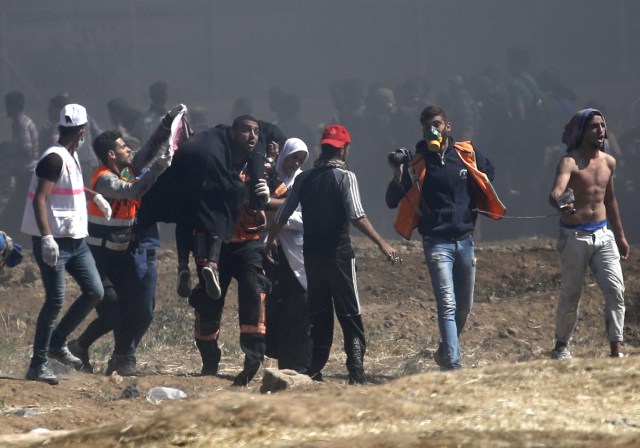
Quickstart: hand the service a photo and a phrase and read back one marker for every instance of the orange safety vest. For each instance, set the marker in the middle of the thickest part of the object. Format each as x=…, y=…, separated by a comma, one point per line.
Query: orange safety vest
x=123, y=211
x=251, y=221
x=409, y=210
x=115, y=233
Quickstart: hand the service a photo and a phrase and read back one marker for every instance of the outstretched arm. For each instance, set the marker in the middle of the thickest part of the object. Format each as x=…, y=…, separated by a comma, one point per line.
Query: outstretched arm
x=364, y=225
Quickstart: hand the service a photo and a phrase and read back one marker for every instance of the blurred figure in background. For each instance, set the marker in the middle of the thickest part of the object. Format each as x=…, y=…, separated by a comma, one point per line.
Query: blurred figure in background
x=24, y=138
x=149, y=121
x=23, y=131
x=125, y=118
x=49, y=131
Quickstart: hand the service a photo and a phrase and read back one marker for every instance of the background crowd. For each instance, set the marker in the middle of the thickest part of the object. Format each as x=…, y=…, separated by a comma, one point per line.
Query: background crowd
x=514, y=115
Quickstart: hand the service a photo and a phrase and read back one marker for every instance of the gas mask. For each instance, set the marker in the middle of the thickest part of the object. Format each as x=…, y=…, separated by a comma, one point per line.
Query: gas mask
x=434, y=139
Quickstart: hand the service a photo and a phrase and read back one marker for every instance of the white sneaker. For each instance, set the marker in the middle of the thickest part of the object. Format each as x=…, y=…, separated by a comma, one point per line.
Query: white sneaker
x=561, y=353
x=211, y=281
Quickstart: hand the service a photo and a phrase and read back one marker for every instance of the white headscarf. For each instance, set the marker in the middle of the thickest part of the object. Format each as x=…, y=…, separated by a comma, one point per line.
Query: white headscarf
x=291, y=146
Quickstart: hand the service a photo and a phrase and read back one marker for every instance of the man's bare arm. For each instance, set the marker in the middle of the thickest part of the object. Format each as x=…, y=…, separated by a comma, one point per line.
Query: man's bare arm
x=43, y=190
x=563, y=175
x=613, y=217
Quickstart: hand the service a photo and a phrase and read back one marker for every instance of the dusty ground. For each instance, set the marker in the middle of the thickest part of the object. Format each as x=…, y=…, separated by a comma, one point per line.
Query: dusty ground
x=509, y=394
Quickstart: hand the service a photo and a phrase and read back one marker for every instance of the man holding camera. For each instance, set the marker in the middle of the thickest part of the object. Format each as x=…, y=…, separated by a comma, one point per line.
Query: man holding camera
x=439, y=190
x=583, y=192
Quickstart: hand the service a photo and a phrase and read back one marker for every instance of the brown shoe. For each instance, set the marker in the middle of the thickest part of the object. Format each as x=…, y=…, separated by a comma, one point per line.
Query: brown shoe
x=121, y=365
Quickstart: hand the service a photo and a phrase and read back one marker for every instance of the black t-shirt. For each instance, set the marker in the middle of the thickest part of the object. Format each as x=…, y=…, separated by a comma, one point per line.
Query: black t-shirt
x=50, y=167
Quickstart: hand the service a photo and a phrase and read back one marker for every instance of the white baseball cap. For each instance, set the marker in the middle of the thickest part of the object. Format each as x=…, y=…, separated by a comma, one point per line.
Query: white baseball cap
x=73, y=115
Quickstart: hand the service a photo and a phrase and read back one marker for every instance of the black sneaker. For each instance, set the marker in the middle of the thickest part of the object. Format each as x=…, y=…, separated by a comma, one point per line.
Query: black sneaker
x=43, y=374
x=211, y=281
x=184, y=283
x=64, y=356
x=248, y=373
x=82, y=354
x=121, y=365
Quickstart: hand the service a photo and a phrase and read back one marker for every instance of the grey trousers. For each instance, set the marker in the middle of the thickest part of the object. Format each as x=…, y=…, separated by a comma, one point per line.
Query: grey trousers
x=598, y=251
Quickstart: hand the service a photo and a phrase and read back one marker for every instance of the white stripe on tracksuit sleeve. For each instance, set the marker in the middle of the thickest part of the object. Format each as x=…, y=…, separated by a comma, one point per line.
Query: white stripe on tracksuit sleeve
x=353, y=205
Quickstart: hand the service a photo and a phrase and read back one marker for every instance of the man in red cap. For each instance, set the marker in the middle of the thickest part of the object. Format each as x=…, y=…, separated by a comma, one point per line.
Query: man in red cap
x=330, y=201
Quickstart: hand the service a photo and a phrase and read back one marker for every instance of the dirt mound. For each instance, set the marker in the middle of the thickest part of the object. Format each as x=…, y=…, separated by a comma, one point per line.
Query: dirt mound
x=509, y=394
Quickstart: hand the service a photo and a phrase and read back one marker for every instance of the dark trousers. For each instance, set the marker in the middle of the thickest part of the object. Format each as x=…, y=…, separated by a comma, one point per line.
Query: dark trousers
x=129, y=279
x=287, y=317
x=242, y=261
x=332, y=284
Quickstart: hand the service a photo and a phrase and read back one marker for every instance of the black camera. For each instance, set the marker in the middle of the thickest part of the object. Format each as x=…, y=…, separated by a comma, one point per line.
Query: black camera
x=270, y=174
x=399, y=156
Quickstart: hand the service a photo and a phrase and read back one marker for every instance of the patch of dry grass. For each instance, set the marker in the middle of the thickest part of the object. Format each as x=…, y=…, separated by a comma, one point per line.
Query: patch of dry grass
x=582, y=402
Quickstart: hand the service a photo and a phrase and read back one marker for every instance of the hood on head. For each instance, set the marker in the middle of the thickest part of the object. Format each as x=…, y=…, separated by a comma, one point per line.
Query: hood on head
x=572, y=135
x=291, y=146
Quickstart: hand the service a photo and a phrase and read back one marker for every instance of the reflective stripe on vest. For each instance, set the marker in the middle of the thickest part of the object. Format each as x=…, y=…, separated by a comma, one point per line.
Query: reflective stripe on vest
x=280, y=191
x=103, y=242
x=409, y=210
x=66, y=204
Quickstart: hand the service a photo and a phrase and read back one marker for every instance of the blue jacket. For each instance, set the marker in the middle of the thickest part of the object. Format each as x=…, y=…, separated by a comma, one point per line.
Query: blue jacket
x=447, y=193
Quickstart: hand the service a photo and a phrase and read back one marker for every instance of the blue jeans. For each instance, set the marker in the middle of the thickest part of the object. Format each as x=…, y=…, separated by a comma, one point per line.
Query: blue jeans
x=452, y=267
x=76, y=259
x=147, y=271
x=129, y=278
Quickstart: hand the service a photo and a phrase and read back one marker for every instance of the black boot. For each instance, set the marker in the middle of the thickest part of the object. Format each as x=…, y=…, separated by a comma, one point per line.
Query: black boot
x=210, y=354
x=355, y=357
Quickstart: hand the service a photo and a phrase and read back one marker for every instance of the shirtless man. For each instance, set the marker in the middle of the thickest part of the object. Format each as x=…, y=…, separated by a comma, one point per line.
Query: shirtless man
x=591, y=231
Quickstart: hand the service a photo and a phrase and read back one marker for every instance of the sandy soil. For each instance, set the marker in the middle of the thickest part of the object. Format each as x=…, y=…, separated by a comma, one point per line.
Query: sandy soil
x=509, y=394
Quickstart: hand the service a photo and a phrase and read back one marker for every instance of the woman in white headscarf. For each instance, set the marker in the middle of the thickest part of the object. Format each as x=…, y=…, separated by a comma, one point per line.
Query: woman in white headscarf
x=287, y=313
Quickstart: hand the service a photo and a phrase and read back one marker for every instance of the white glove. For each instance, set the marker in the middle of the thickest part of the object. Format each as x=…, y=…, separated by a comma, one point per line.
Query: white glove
x=50, y=251
x=164, y=161
x=173, y=113
x=262, y=190
x=103, y=205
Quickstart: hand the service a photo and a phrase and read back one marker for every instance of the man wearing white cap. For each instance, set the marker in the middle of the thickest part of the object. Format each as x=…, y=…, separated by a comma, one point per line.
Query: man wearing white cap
x=55, y=216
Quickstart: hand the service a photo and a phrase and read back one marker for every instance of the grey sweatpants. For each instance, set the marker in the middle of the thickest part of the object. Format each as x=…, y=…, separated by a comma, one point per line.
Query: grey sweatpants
x=579, y=249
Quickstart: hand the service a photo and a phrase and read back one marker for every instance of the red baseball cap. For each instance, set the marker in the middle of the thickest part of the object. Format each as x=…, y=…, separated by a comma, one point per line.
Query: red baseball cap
x=335, y=135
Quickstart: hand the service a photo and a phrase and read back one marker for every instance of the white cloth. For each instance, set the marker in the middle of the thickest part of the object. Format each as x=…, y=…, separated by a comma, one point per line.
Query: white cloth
x=291, y=237
x=180, y=130
x=67, y=205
